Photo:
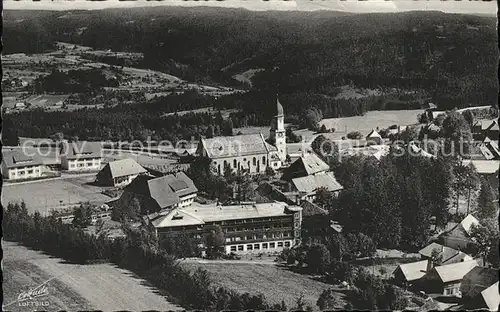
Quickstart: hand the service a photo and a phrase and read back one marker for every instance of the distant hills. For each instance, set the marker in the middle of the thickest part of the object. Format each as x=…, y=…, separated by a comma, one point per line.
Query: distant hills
x=453, y=57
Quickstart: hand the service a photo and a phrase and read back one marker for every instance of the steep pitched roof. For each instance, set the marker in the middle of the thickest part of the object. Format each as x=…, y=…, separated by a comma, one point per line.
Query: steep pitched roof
x=373, y=134
x=491, y=297
x=310, y=209
x=165, y=190
x=467, y=223
x=16, y=158
x=478, y=280
x=484, y=166
x=124, y=167
x=307, y=164
x=311, y=183
x=490, y=125
x=448, y=255
x=238, y=145
x=455, y=271
x=413, y=271
x=81, y=149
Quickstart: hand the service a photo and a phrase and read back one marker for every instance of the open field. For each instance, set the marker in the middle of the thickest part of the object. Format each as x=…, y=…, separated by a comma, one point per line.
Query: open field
x=274, y=282
x=44, y=196
x=77, y=287
x=141, y=158
x=20, y=275
x=371, y=120
x=225, y=112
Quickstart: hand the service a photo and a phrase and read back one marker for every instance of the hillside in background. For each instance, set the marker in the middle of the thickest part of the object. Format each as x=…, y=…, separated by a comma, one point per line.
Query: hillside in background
x=452, y=57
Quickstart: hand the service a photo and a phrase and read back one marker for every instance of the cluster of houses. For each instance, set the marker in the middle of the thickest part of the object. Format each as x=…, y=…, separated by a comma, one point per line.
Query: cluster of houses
x=445, y=270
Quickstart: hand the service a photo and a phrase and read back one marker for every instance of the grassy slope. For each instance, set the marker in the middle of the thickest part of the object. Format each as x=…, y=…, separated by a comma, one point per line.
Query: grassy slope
x=274, y=283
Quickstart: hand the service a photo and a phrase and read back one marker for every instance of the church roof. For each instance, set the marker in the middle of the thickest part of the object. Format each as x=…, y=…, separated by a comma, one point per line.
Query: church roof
x=279, y=108
x=238, y=145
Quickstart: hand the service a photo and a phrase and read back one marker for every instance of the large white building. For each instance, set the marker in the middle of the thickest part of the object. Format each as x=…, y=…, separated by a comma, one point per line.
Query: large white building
x=16, y=165
x=247, y=228
x=81, y=156
x=249, y=153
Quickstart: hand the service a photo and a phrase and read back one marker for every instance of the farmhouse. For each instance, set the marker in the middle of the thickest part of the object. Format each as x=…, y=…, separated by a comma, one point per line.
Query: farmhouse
x=157, y=194
x=459, y=236
x=308, y=186
x=374, y=138
x=446, y=254
x=16, y=165
x=247, y=228
x=408, y=273
x=248, y=153
x=307, y=164
x=119, y=173
x=446, y=279
x=81, y=156
x=479, y=289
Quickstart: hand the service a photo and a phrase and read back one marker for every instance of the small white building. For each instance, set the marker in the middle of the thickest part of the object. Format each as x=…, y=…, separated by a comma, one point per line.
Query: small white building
x=81, y=156
x=16, y=165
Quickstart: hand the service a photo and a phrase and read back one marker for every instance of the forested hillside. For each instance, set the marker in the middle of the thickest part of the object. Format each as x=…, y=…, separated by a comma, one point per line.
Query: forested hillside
x=453, y=57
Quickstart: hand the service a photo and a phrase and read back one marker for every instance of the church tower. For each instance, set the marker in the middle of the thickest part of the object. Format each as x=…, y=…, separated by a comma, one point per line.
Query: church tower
x=277, y=133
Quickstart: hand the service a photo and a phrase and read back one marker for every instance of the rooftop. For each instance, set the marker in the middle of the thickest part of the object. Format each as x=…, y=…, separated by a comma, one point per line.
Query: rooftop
x=484, y=166
x=478, y=280
x=238, y=145
x=124, y=167
x=81, y=149
x=312, y=183
x=18, y=158
x=413, y=271
x=448, y=255
x=200, y=214
x=455, y=271
x=165, y=190
x=491, y=297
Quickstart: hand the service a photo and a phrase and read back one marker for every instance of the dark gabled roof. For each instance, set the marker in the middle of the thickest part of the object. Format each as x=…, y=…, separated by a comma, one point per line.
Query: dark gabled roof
x=477, y=280
x=308, y=164
x=310, y=209
x=16, y=158
x=82, y=149
x=270, y=192
x=165, y=190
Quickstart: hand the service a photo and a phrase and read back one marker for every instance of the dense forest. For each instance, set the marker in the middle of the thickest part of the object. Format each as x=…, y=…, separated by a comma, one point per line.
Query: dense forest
x=452, y=57
x=147, y=118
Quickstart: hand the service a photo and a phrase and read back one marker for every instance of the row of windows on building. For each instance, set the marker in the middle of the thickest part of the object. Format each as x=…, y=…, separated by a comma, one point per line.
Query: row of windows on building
x=272, y=245
x=258, y=236
x=263, y=228
x=254, y=162
x=27, y=171
x=242, y=221
x=81, y=165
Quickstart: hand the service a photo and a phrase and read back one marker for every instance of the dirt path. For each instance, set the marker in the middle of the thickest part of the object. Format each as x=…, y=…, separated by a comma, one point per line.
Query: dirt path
x=101, y=286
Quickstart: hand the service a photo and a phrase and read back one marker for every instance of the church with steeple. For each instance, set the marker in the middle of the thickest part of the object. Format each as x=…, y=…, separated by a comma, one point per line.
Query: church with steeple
x=248, y=153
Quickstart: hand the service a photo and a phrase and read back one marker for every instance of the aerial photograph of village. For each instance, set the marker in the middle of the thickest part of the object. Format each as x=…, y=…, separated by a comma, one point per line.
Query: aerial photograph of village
x=250, y=155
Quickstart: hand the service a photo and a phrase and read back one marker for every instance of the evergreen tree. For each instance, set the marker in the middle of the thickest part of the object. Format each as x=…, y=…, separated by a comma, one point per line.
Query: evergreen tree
x=486, y=207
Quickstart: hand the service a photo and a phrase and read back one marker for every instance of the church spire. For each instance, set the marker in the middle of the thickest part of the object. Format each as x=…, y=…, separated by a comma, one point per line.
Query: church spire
x=279, y=107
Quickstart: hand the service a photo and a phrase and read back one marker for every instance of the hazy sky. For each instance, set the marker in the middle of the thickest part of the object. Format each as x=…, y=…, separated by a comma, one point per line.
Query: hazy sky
x=464, y=6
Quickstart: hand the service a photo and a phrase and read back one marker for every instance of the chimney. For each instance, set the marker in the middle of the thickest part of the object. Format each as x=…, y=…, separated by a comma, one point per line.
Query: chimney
x=297, y=199
x=430, y=265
